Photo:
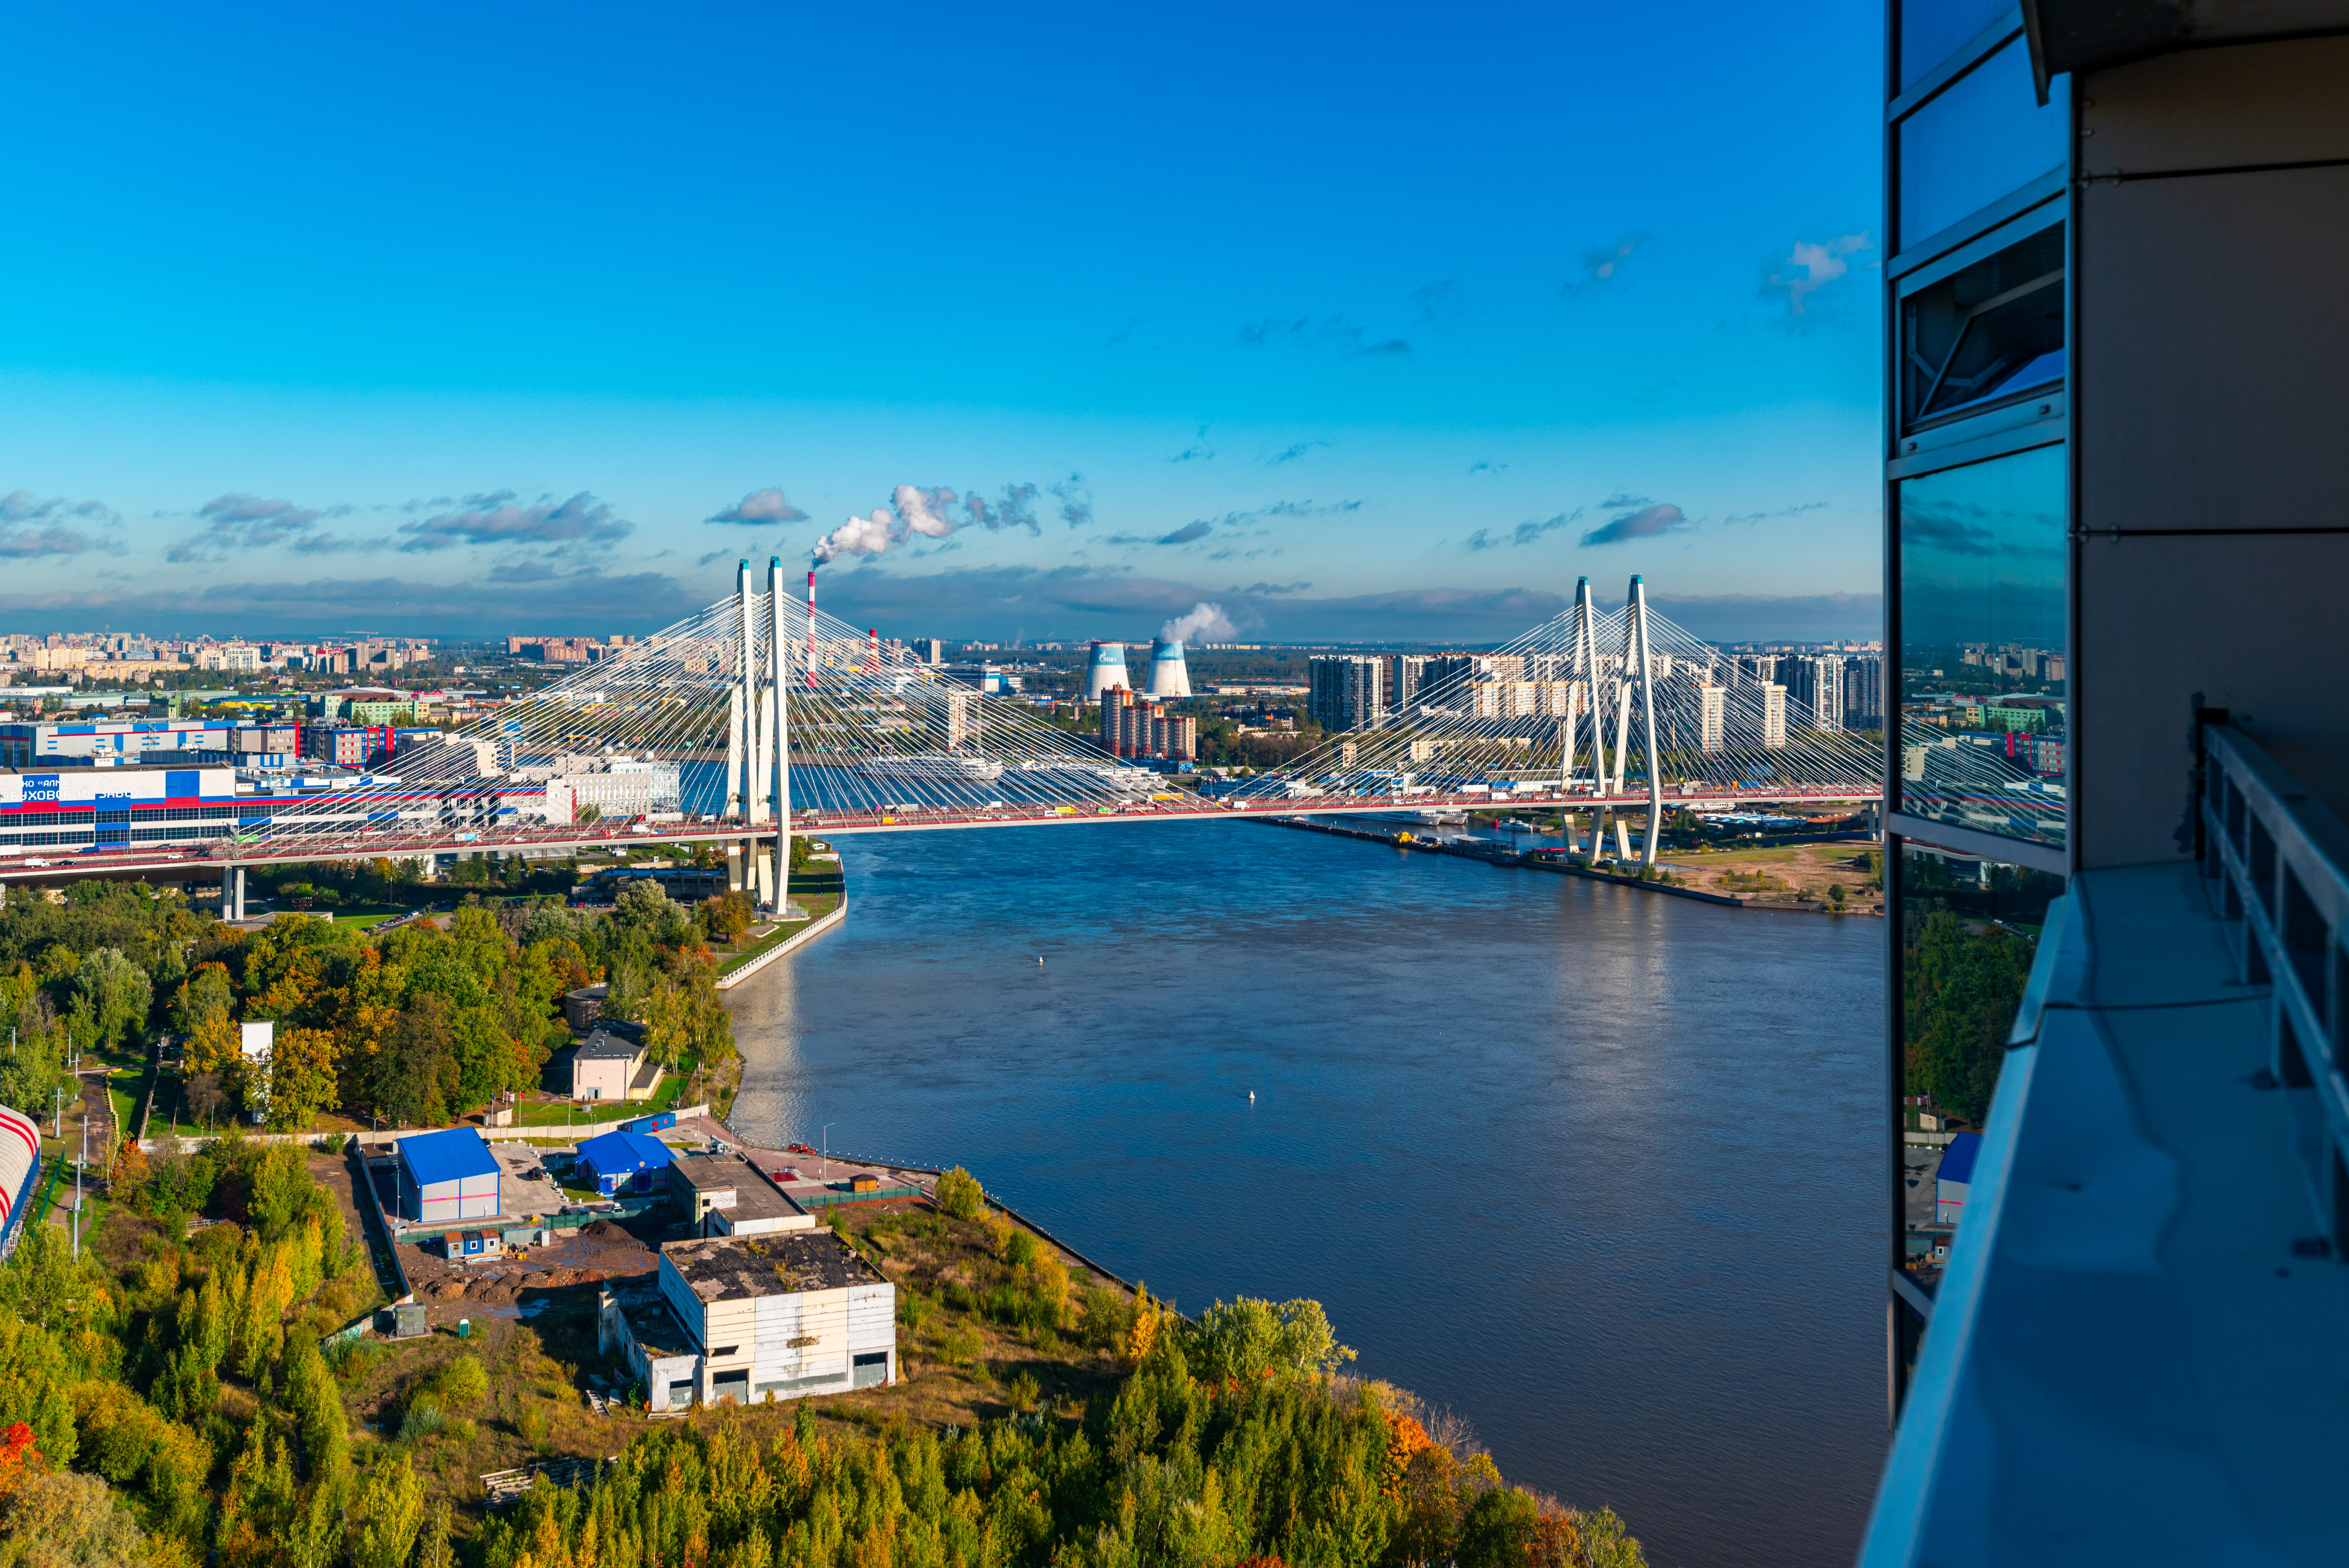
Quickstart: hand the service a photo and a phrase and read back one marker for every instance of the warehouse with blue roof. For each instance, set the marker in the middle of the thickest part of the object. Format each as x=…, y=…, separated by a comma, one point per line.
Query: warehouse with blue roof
x=446, y=1176
x=1954, y=1178
x=624, y=1162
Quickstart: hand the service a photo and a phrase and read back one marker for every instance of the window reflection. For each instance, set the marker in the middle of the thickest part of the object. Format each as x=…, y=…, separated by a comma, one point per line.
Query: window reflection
x=1933, y=30
x=1982, y=137
x=1983, y=677
x=1990, y=333
x=1969, y=929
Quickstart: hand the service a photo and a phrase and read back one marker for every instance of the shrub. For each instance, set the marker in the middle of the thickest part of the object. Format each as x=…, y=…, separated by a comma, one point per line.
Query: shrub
x=959, y=1195
x=461, y=1382
x=422, y=1420
x=1020, y=1249
x=1023, y=1392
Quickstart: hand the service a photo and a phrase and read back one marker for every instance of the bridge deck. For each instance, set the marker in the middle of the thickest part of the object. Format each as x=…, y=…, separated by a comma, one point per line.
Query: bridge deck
x=158, y=862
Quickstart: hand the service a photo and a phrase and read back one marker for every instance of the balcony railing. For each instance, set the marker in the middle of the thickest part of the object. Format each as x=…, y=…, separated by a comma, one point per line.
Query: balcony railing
x=2278, y=859
x=2129, y=1357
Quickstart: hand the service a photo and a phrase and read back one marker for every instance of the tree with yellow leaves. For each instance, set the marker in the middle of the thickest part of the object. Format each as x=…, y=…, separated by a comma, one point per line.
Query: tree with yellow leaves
x=301, y=1077
x=1144, y=1331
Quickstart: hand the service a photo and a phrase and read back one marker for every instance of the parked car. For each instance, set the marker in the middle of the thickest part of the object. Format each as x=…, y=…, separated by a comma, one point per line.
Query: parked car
x=799, y=1148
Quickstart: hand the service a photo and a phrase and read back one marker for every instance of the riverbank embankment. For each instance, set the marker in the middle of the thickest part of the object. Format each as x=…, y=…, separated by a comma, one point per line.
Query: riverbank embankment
x=1496, y=855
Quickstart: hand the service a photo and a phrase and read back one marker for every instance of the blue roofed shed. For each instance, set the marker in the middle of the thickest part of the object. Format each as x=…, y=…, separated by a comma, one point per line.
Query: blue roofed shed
x=1954, y=1177
x=446, y=1176
x=624, y=1162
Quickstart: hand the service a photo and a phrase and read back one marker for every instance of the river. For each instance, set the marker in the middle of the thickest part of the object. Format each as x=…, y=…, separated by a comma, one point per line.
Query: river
x=1597, y=1168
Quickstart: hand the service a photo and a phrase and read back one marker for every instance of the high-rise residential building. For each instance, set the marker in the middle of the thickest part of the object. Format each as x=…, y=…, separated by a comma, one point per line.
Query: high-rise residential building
x=1711, y=717
x=1405, y=673
x=1346, y=691
x=1816, y=683
x=1863, y=693
x=2111, y=271
x=1754, y=669
x=1774, y=716
x=1446, y=677
x=1133, y=726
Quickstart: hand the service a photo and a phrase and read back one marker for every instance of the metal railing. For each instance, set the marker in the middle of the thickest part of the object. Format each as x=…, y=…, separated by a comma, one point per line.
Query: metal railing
x=2278, y=858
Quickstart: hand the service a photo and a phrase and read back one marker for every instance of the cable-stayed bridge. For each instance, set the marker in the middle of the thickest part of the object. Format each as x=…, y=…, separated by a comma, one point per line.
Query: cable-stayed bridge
x=762, y=715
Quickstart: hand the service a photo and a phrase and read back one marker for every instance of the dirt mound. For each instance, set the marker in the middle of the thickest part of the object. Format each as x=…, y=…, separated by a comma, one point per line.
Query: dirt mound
x=449, y=1290
x=606, y=1230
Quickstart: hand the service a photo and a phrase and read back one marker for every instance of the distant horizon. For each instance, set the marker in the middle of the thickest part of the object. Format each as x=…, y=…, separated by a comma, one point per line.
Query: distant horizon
x=1060, y=322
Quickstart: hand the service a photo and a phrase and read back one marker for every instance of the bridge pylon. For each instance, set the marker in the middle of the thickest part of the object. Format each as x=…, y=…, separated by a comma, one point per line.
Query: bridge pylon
x=779, y=685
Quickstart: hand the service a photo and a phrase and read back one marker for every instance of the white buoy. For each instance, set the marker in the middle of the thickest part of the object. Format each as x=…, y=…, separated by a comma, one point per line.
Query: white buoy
x=1251, y=1097
x=1040, y=958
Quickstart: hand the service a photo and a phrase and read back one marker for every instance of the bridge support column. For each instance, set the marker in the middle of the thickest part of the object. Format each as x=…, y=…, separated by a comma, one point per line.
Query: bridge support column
x=1647, y=656
x=232, y=893
x=733, y=868
x=778, y=681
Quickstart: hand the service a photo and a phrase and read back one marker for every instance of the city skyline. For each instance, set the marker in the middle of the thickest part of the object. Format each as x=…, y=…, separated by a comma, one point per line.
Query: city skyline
x=1240, y=333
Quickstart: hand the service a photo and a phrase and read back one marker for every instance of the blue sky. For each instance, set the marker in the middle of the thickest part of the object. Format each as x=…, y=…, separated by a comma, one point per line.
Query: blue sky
x=1363, y=322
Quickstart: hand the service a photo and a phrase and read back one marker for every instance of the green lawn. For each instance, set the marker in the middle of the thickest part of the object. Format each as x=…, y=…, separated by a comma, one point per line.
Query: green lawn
x=817, y=904
x=589, y=1113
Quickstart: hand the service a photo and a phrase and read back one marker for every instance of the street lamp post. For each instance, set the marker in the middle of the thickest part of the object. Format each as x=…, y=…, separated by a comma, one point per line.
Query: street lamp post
x=827, y=1149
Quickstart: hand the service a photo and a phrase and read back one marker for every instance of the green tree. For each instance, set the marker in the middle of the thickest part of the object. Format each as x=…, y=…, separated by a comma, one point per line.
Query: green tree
x=1499, y=1530
x=117, y=992
x=63, y=1519
x=959, y=1195
x=387, y=1516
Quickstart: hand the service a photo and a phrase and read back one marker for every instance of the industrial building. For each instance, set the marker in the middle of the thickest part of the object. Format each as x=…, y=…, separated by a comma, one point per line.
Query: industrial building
x=724, y=1194
x=31, y=744
x=132, y=804
x=623, y=1161
x=1169, y=676
x=1104, y=668
x=20, y=1168
x=1954, y=1176
x=445, y=1177
x=737, y=1318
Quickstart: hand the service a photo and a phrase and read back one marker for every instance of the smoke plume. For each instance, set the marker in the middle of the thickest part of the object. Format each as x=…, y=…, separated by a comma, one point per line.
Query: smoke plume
x=932, y=514
x=1204, y=620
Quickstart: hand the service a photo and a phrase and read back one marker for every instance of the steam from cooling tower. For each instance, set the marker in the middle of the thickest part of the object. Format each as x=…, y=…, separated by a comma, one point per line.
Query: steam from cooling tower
x=1105, y=668
x=931, y=514
x=1204, y=620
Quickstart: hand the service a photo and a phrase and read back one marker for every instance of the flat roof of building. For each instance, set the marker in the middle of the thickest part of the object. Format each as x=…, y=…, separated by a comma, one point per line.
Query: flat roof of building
x=746, y=1268
x=755, y=1197
x=651, y=1317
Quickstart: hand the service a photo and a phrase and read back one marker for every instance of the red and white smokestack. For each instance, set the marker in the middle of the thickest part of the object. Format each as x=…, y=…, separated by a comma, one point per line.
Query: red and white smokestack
x=810, y=664
x=872, y=650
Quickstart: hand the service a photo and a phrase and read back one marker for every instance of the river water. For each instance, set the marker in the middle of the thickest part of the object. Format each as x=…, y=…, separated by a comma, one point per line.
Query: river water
x=1596, y=1168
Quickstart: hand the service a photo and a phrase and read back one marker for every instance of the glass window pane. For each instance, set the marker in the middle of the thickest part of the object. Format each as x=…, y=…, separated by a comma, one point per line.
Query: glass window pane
x=1983, y=670
x=1992, y=333
x=1969, y=929
x=1933, y=30
x=1983, y=137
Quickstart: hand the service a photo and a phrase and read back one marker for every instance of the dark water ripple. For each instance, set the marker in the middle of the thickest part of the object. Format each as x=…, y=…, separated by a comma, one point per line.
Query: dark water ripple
x=1595, y=1167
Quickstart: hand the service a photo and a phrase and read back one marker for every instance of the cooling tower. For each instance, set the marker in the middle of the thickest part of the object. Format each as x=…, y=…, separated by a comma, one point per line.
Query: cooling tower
x=1105, y=668
x=1167, y=676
